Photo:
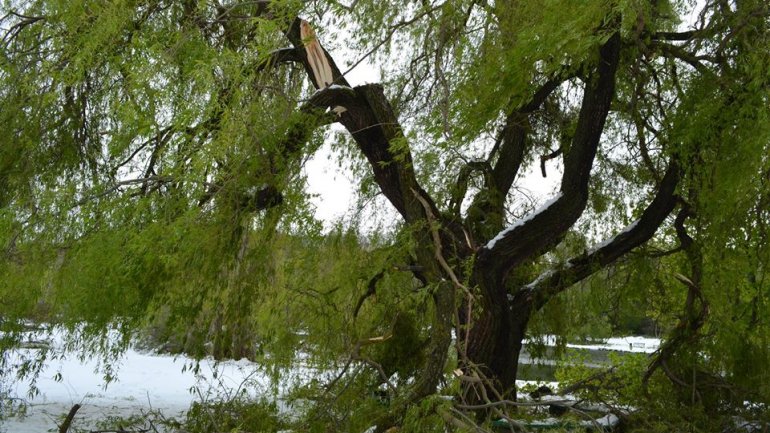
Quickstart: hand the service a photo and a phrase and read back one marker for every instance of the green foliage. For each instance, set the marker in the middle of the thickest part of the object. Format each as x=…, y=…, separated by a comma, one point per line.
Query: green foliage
x=144, y=420
x=236, y=415
x=426, y=417
x=142, y=140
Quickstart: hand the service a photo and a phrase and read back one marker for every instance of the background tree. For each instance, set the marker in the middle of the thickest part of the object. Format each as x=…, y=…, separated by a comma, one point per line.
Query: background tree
x=153, y=151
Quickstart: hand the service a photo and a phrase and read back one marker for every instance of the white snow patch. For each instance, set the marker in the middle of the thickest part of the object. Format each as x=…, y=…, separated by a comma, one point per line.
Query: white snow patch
x=539, y=279
x=556, y=398
x=331, y=86
x=609, y=420
x=145, y=381
x=552, y=385
x=338, y=86
x=608, y=241
x=635, y=344
x=519, y=223
x=544, y=422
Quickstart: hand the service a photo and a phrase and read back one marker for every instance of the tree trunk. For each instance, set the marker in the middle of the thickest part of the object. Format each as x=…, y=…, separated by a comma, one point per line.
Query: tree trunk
x=497, y=330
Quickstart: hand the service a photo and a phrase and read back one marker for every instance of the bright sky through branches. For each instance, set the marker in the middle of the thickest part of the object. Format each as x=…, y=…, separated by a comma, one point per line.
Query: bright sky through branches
x=332, y=187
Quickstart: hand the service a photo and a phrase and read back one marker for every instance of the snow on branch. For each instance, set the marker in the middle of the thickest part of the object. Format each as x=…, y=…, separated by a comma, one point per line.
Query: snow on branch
x=587, y=256
x=332, y=96
x=638, y=232
x=608, y=241
x=518, y=223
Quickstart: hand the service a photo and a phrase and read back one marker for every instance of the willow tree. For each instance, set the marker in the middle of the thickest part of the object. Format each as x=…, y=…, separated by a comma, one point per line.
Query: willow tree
x=151, y=168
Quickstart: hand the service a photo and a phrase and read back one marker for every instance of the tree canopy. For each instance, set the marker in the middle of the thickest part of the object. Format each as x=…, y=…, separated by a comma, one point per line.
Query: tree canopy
x=150, y=180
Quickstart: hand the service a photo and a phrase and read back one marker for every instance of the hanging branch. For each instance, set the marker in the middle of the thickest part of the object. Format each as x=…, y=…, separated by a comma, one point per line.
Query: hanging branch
x=693, y=318
x=371, y=289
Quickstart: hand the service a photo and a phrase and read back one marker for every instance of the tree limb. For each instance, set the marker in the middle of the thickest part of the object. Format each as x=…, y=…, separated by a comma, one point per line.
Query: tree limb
x=371, y=289
x=373, y=124
x=370, y=119
x=281, y=55
x=545, y=228
x=680, y=53
x=676, y=36
x=554, y=281
x=547, y=157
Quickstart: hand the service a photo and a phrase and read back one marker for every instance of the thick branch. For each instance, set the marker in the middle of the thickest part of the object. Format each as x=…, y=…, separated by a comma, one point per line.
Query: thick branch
x=676, y=36
x=546, y=157
x=544, y=228
x=294, y=35
x=513, y=139
x=552, y=282
x=65, y=426
x=485, y=214
x=680, y=53
x=370, y=119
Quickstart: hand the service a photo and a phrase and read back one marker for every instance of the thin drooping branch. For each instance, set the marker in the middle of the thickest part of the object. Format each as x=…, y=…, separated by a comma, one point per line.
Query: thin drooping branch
x=693, y=319
x=543, y=229
x=578, y=268
x=116, y=186
x=159, y=139
x=24, y=21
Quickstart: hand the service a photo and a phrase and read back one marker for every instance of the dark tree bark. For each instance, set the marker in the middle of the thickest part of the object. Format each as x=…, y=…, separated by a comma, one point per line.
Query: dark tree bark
x=497, y=333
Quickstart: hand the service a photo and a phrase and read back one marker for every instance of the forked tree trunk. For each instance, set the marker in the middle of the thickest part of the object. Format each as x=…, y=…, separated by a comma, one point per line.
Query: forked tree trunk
x=498, y=328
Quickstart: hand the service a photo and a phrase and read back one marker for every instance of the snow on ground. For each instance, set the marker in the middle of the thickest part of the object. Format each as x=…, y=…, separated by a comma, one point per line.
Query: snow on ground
x=623, y=344
x=549, y=384
x=634, y=344
x=148, y=381
x=144, y=382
